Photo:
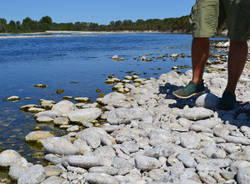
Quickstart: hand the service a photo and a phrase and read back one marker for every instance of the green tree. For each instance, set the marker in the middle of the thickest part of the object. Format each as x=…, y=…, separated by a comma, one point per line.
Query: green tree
x=45, y=23
x=3, y=26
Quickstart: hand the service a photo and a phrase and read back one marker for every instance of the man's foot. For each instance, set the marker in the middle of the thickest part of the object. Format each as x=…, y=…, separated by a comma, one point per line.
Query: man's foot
x=227, y=102
x=190, y=90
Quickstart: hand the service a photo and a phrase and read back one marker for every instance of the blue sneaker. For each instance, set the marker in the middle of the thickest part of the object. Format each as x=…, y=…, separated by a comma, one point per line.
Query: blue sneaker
x=227, y=102
x=190, y=90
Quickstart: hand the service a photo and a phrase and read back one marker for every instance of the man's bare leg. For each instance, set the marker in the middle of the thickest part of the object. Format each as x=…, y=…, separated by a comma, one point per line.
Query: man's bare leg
x=236, y=61
x=200, y=54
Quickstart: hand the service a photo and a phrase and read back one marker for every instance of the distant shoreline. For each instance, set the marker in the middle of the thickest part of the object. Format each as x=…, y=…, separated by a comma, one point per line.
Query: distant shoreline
x=47, y=34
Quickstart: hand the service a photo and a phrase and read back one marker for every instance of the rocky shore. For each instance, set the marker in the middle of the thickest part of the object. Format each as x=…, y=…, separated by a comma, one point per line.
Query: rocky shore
x=142, y=134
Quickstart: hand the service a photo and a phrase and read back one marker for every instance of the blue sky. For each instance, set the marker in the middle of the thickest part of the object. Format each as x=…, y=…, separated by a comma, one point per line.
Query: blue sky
x=99, y=11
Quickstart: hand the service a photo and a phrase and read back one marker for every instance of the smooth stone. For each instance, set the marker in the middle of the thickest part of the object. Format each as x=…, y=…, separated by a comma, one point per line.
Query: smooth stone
x=221, y=132
x=104, y=169
x=145, y=163
x=82, y=146
x=47, y=104
x=53, y=158
x=113, y=98
x=59, y=145
x=44, y=119
x=9, y=157
x=207, y=100
x=156, y=174
x=13, y=98
x=196, y=113
x=190, y=140
x=49, y=113
x=243, y=175
x=100, y=178
x=82, y=99
x=77, y=170
x=64, y=107
x=213, y=164
x=107, y=153
x=240, y=155
x=161, y=151
x=61, y=121
x=35, y=110
x=126, y=115
x=19, y=168
x=95, y=137
x=53, y=180
x=83, y=115
x=74, y=128
x=159, y=136
x=131, y=147
x=214, y=152
x=237, y=140
x=83, y=161
x=187, y=160
x=123, y=165
x=34, y=175
x=26, y=107
x=38, y=135
x=52, y=170
x=207, y=178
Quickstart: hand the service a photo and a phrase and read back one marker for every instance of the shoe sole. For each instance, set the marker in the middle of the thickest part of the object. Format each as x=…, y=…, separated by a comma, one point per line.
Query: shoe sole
x=185, y=97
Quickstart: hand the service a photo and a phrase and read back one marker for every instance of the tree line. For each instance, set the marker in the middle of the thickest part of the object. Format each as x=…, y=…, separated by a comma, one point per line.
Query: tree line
x=180, y=24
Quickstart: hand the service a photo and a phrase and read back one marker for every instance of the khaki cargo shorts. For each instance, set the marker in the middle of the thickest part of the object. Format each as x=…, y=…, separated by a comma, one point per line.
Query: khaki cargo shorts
x=207, y=16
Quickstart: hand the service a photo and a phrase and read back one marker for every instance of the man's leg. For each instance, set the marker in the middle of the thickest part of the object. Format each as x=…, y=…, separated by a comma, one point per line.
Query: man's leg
x=236, y=61
x=200, y=54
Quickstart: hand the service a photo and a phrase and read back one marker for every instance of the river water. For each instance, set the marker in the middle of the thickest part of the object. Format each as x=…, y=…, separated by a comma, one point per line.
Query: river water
x=79, y=64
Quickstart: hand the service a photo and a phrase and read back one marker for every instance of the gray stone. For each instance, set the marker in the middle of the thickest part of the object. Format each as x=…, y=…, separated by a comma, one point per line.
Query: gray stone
x=113, y=98
x=104, y=169
x=207, y=100
x=53, y=158
x=213, y=164
x=53, y=180
x=61, y=121
x=162, y=151
x=37, y=136
x=156, y=174
x=240, y=155
x=159, y=136
x=50, y=113
x=82, y=146
x=74, y=128
x=126, y=115
x=59, y=145
x=64, y=107
x=190, y=140
x=131, y=147
x=221, y=132
x=100, y=178
x=214, y=152
x=196, y=113
x=8, y=158
x=44, y=119
x=34, y=175
x=83, y=161
x=206, y=178
x=95, y=137
x=106, y=153
x=187, y=160
x=237, y=140
x=123, y=165
x=145, y=163
x=243, y=175
x=84, y=115
x=52, y=170
x=19, y=168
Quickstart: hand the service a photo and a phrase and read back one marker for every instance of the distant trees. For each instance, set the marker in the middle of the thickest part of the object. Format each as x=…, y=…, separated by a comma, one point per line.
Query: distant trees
x=28, y=25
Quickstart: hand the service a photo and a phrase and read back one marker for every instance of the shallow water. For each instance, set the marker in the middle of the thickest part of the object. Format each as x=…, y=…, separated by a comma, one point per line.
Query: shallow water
x=57, y=62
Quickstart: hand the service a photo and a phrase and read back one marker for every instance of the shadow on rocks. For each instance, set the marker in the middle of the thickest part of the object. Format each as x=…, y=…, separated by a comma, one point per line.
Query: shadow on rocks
x=239, y=116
